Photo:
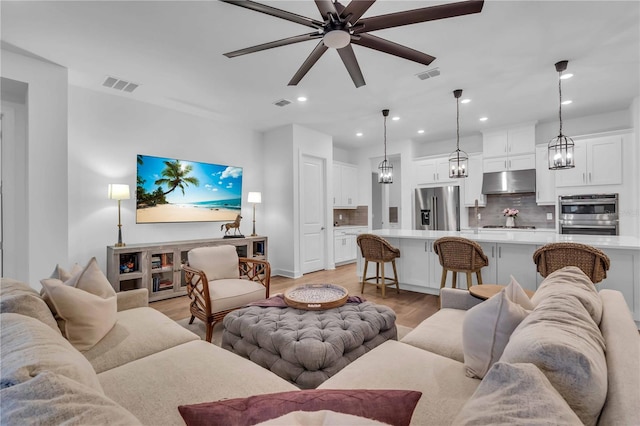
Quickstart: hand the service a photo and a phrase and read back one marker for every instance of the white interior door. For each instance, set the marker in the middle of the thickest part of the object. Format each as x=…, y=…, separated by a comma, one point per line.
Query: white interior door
x=312, y=197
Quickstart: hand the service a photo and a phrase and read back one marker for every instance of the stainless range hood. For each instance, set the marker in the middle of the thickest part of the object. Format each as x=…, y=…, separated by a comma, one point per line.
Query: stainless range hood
x=511, y=182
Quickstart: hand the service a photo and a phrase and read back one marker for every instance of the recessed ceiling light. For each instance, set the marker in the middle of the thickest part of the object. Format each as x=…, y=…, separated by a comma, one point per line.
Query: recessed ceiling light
x=420, y=131
x=302, y=99
x=396, y=118
x=359, y=134
x=465, y=101
x=566, y=76
x=567, y=102
x=484, y=118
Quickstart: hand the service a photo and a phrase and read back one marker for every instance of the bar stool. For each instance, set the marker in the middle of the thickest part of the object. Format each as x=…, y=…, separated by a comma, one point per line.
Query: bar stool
x=457, y=254
x=592, y=261
x=376, y=249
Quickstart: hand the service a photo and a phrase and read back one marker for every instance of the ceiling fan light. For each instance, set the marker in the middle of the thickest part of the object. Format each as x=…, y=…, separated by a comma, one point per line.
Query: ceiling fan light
x=336, y=39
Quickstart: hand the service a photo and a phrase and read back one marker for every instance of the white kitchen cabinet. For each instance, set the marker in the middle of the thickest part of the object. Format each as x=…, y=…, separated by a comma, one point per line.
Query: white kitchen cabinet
x=509, y=142
x=419, y=264
x=345, y=185
x=510, y=259
x=514, y=162
x=473, y=183
x=345, y=248
x=545, y=178
x=598, y=161
x=434, y=170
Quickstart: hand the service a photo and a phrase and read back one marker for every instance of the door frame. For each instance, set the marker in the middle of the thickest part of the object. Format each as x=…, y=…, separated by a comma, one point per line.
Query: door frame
x=325, y=251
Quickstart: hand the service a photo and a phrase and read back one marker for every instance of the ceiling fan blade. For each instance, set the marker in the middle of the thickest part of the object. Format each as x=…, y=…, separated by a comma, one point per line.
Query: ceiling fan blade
x=350, y=61
x=386, y=46
x=326, y=8
x=272, y=44
x=308, y=63
x=356, y=9
x=415, y=16
x=278, y=13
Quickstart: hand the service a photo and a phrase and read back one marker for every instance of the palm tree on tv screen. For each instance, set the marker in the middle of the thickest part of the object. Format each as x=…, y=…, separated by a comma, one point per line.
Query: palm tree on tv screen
x=175, y=175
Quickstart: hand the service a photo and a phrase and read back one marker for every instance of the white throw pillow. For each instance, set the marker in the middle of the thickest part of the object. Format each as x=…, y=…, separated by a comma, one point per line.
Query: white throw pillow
x=85, y=306
x=486, y=330
x=64, y=275
x=516, y=294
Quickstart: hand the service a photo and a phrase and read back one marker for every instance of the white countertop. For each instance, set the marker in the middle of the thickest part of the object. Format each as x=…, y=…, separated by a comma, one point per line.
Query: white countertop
x=517, y=237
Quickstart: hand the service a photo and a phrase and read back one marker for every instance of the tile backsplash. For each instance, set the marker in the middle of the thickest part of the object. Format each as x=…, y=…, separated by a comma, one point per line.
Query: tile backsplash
x=530, y=213
x=351, y=217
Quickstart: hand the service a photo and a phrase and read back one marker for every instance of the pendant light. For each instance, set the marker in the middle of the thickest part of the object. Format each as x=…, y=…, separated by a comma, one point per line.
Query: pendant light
x=458, y=160
x=560, y=149
x=385, y=169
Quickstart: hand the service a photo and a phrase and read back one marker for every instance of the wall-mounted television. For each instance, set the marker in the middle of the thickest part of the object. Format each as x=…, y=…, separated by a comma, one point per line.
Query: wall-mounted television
x=173, y=190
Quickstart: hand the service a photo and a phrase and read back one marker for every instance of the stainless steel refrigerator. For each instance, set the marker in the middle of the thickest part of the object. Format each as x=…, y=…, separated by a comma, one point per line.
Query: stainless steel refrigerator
x=437, y=209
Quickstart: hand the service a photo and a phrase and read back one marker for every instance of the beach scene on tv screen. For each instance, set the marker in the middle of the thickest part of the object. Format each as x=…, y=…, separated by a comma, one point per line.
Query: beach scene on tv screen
x=172, y=190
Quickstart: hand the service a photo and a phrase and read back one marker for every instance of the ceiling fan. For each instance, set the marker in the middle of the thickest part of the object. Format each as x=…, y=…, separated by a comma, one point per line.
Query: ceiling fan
x=342, y=26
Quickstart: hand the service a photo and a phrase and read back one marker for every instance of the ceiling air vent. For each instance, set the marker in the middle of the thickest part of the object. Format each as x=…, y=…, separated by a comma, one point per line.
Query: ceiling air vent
x=428, y=74
x=282, y=102
x=118, y=84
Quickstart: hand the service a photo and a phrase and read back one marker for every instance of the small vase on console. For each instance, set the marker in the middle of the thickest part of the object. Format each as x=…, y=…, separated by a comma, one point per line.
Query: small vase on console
x=511, y=222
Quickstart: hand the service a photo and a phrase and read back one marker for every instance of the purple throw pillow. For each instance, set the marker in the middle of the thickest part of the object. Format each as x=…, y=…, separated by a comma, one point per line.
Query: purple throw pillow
x=394, y=407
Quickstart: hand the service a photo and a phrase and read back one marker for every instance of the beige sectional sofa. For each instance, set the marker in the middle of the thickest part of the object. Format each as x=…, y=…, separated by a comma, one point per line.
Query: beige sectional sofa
x=147, y=366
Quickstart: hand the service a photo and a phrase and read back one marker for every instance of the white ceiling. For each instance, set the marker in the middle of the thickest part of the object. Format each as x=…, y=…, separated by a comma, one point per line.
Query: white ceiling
x=503, y=58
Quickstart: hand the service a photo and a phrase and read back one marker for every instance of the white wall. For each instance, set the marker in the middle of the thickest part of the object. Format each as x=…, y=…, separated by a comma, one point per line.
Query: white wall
x=106, y=132
x=278, y=199
x=284, y=148
x=44, y=226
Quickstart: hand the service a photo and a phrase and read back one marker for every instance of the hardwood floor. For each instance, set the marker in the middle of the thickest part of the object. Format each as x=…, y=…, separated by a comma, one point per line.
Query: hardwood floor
x=411, y=308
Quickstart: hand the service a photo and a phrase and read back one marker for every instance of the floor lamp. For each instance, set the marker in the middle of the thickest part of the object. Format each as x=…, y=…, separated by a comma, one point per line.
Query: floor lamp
x=119, y=192
x=255, y=198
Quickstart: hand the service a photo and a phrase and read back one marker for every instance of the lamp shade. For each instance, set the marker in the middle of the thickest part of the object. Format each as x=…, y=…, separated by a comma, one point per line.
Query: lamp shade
x=254, y=197
x=119, y=191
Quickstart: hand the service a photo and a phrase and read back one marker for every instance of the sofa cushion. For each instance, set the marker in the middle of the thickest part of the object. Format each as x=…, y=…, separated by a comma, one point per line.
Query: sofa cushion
x=516, y=394
x=563, y=341
x=393, y=407
x=570, y=280
x=394, y=365
x=213, y=374
x=441, y=334
x=623, y=361
x=29, y=347
x=219, y=262
x=53, y=399
x=17, y=297
x=85, y=318
x=486, y=330
x=137, y=333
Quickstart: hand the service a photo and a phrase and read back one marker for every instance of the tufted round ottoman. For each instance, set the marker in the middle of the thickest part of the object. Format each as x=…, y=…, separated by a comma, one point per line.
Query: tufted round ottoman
x=307, y=347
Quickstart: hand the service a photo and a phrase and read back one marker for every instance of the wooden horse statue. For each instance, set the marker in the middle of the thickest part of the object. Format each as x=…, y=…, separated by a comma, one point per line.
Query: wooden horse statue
x=235, y=225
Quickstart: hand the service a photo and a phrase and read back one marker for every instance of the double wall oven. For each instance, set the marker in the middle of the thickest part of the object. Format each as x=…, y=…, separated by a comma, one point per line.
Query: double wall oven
x=589, y=214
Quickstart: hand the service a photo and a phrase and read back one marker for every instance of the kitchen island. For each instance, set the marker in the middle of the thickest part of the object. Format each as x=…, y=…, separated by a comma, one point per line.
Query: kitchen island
x=510, y=253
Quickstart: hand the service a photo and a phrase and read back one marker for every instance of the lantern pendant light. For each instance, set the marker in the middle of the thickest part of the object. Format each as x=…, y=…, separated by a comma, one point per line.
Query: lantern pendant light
x=458, y=160
x=385, y=169
x=560, y=150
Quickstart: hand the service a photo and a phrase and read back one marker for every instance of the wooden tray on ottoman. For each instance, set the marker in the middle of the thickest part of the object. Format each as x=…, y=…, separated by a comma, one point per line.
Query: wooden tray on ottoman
x=316, y=297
